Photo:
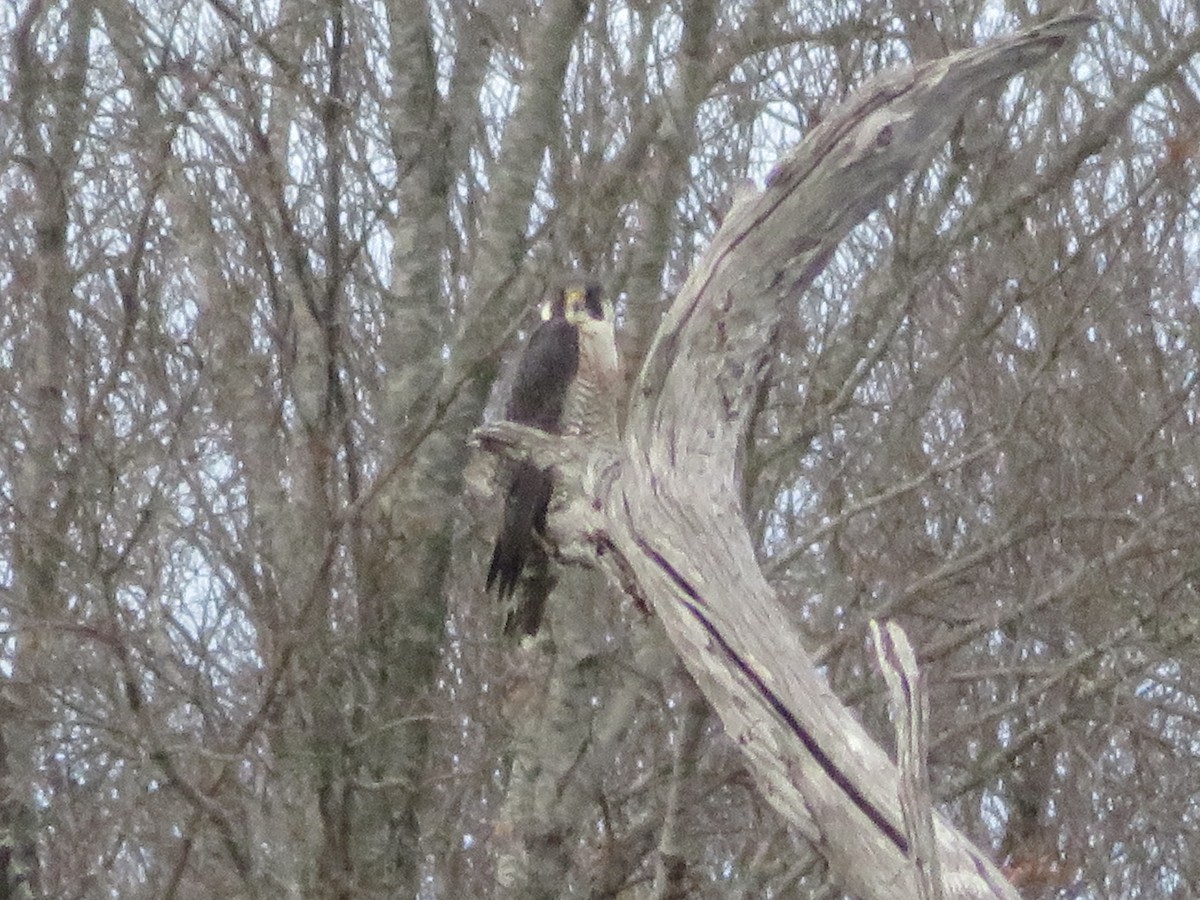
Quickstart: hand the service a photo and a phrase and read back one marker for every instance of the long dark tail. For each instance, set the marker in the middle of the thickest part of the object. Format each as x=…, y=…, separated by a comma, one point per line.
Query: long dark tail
x=524, y=617
x=524, y=512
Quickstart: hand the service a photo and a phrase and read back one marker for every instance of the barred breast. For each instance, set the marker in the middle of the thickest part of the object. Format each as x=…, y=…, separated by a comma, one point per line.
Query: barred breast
x=591, y=403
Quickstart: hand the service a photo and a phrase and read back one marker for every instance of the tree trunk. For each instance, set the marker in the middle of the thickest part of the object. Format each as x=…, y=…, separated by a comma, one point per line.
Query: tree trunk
x=42, y=508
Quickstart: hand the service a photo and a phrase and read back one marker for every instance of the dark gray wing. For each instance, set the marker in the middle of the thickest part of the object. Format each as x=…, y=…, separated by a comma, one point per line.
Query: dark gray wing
x=539, y=392
x=546, y=370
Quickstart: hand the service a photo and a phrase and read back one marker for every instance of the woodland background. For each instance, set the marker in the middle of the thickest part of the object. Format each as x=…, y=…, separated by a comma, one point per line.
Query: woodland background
x=261, y=266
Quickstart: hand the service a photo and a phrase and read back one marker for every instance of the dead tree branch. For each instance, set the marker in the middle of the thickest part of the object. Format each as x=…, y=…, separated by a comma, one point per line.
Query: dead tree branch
x=666, y=517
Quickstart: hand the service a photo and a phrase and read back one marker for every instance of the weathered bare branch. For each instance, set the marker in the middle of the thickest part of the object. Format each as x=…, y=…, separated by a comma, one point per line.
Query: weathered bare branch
x=909, y=700
x=679, y=482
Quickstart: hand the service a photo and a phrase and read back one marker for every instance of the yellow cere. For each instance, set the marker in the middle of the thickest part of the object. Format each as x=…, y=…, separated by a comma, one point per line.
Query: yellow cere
x=576, y=298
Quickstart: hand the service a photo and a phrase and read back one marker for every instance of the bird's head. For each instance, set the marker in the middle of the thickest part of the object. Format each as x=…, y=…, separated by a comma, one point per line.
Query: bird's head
x=578, y=301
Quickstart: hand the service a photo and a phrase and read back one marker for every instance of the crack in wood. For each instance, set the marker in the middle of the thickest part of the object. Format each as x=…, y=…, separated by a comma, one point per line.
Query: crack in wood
x=831, y=769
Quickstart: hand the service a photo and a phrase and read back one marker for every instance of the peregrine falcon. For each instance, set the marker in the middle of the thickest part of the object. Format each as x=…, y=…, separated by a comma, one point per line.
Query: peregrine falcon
x=566, y=383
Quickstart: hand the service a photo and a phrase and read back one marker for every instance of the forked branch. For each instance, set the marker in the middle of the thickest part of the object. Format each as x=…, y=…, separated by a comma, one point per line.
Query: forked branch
x=668, y=511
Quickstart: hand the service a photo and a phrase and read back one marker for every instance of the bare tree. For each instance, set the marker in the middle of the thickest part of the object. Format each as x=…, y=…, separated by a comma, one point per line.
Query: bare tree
x=261, y=269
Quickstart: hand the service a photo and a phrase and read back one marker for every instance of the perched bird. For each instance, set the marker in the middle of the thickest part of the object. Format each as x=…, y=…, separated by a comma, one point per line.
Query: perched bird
x=566, y=383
